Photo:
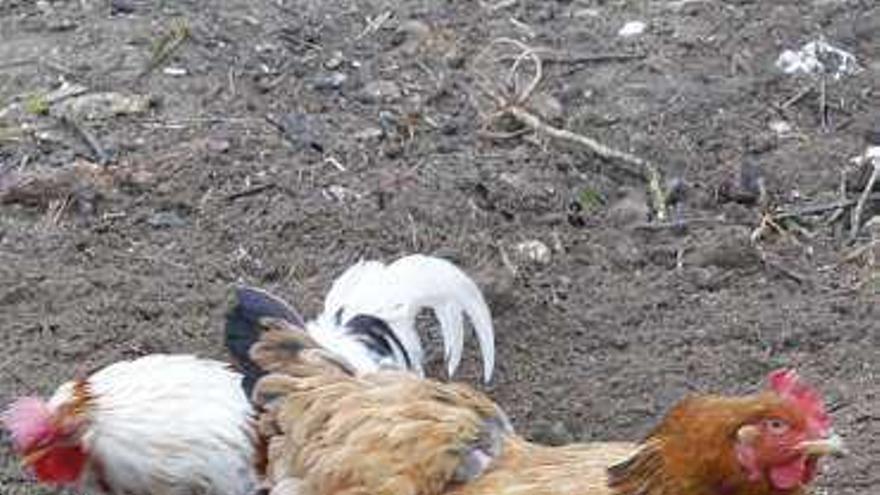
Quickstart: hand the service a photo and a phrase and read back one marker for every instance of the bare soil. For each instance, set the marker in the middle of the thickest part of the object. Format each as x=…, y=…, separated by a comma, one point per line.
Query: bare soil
x=284, y=140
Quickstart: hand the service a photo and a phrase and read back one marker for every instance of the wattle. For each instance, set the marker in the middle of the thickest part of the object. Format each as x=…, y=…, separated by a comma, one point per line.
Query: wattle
x=61, y=465
x=792, y=475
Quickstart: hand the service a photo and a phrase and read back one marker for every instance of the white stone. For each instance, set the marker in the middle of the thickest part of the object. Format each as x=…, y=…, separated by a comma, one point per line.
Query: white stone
x=870, y=153
x=781, y=128
x=174, y=71
x=632, y=28
x=535, y=251
x=818, y=57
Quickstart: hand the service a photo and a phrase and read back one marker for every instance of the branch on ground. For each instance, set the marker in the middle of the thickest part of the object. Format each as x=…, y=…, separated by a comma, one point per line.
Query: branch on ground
x=510, y=101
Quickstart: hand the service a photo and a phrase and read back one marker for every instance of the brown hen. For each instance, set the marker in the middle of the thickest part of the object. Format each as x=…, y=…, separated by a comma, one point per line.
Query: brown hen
x=392, y=433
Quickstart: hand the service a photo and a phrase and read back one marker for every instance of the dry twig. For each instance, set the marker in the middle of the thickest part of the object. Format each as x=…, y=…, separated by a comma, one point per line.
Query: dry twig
x=797, y=97
x=863, y=199
x=512, y=103
x=823, y=102
x=100, y=155
x=550, y=56
x=816, y=209
x=858, y=251
x=374, y=24
x=251, y=191
x=780, y=267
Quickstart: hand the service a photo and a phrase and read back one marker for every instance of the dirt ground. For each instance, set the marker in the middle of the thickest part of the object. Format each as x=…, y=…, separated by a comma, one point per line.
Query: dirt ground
x=283, y=140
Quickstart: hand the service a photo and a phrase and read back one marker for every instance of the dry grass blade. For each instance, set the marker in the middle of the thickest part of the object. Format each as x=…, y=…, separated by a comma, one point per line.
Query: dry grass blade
x=167, y=45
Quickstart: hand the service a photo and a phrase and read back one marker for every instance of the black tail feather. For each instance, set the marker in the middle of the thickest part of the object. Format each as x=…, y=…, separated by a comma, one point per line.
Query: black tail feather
x=243, y=327
x=377, y=336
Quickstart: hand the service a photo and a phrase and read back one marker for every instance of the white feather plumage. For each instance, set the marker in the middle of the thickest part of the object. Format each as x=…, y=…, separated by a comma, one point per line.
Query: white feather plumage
x=396, y=293
x=169, y=424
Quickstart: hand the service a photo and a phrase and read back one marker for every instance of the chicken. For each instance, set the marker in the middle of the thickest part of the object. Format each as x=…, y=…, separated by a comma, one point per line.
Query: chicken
x=160, y=424
x=331, y=432
x=183, y=425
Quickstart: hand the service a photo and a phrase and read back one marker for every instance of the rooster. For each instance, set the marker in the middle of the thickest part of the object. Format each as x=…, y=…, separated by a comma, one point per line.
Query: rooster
x=182, y=425
x=330, y=432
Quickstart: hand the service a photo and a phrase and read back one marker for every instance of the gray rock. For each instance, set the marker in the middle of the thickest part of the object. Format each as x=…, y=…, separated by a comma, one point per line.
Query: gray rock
x=553, y=433
x=381, y=91
x=329, y=81
x=369, y=134
x=99, y=106
x=166, y=220
x=335, y=61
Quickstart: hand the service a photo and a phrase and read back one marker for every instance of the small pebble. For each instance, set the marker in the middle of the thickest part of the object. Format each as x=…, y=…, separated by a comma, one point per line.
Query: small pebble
x=554, y=433
x=369, y=134
x=781, y=128
x=534, y=251
x=218, y=145
x=586, y=13
x=632, y=28
x=333, y=80
x=175, y=71
x=335, y=61
x=411, y=35
x=121, y=7
x=382, y=91
x=303, y=130
x=870, y=153
x=166, y=220
x=342, y=194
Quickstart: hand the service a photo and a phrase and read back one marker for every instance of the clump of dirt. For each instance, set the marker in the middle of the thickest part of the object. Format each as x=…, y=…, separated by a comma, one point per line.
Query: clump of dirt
x=285, y=140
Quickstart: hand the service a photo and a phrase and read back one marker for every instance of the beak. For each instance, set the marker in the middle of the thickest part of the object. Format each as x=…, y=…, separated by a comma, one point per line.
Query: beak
x=748, y=434
x=832, y=445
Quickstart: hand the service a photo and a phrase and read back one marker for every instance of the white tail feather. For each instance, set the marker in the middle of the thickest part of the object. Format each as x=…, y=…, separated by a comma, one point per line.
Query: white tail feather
x=397, y=292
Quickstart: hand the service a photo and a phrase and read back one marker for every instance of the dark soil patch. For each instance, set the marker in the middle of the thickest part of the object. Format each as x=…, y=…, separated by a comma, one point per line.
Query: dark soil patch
x=295, y=139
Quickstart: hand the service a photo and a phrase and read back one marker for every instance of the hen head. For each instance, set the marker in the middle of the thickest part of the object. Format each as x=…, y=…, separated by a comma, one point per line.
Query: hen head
x=48, y=437
x=783, y=440
x=767, y=443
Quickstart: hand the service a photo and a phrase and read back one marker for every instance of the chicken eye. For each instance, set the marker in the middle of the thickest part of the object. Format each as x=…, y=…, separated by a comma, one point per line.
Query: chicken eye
x=776, y=426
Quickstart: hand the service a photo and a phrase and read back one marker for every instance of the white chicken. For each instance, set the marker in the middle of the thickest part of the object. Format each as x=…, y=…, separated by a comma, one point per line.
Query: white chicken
x=183, y=425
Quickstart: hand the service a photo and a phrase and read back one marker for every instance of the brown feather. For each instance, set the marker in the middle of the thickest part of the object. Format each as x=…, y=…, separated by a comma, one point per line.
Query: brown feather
x=392, y=433
x=530, y=469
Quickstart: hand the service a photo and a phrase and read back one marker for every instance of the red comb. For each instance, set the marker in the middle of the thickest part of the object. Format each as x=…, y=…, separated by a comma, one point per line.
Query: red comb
x=28, y=420
x=789, y=385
